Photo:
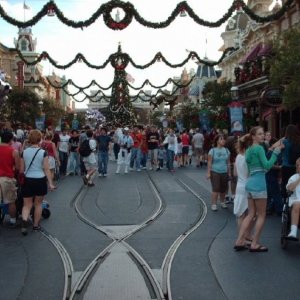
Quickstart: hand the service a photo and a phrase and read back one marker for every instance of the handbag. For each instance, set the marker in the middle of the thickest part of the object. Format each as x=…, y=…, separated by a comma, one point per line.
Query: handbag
x=21, y=176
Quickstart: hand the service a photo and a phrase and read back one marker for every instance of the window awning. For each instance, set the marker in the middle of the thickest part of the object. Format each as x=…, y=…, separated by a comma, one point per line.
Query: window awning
x=266, y=50
x=268, y=112
x=195, y=91
x=252, y=54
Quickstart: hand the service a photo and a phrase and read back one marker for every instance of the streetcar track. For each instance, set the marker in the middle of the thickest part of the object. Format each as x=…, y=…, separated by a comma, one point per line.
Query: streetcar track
x=161, y=292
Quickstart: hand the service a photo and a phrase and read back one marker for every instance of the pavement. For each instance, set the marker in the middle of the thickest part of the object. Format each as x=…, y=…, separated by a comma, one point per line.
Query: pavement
x=205, y=266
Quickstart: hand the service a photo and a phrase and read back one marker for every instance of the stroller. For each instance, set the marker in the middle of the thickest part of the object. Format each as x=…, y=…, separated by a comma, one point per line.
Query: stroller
x=286, y=221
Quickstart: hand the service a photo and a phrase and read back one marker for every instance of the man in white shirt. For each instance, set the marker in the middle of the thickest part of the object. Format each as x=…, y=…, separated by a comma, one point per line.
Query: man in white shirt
x=63, y=149
x=20, y=135
x=197, y=142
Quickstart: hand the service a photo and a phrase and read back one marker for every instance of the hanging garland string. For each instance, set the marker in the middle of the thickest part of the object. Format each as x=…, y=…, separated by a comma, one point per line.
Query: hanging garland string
x=159, y=57
x=130, y=12
x=94, y=83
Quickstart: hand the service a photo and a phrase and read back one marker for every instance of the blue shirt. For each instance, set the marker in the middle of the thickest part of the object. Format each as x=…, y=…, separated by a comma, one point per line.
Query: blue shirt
x=285, y=153
x=219, y=159
x=36, y=170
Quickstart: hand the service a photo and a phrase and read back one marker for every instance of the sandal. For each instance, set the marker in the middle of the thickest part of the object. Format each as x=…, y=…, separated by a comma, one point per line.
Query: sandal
x=241, y=247
x=24, y=228
x=258, y=249
x=37, y=228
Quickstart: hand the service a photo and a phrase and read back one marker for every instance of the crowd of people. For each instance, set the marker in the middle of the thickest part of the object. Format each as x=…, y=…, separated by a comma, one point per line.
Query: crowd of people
x=257, y=168
x=260, y=170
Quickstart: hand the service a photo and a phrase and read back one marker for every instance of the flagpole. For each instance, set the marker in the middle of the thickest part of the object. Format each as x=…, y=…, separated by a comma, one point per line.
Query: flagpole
x=24, y=10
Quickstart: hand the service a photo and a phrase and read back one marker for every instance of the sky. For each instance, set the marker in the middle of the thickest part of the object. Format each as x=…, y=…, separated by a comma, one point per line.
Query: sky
x=97, y=41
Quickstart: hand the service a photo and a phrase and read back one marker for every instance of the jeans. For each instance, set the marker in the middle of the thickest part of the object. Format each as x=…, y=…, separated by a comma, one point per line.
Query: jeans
x=135, y=155
x=116, y=150
x=170, y=163
x=102, y=162
x=161, y=162
x=144, y=158
x=274, y=194
x=63, y=157
x=74, y=162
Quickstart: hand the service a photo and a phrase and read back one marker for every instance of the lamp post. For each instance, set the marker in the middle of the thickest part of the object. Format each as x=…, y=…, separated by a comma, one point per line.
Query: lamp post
x=41, y=105
x=75, y=122
x=234, y=92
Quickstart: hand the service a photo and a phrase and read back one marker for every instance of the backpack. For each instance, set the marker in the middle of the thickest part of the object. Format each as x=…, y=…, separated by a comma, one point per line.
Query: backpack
x=294, y=153
x=85, y=149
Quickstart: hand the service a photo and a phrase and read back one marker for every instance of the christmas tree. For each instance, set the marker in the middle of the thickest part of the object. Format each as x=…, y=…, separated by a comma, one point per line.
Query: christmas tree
x=120, y=108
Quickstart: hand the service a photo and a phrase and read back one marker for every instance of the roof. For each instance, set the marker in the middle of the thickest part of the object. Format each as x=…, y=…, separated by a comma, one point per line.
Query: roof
x=206, y=71
x=238, y=21
x=195, y=91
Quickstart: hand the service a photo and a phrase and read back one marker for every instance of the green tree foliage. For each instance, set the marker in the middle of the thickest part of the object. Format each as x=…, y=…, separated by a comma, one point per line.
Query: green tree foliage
x=285, y=66
x=217, y=96
x=21, y=108
x=53, y=110
x=190, y=115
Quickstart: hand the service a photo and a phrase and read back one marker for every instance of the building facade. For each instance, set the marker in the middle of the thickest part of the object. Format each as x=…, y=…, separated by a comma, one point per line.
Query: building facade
x=247, y=66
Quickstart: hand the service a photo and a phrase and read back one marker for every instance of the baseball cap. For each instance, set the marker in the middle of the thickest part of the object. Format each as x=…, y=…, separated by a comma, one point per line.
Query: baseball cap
x=126, y=128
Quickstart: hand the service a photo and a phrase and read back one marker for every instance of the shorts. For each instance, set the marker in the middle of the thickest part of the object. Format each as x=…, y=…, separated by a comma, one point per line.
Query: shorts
x=185, y=149
x=152, y=154
x=90, y=166
x=258, y=195
x=198, y=151
x=51, y=162
x=34, y=187
x=219, y=182
x=8, y=189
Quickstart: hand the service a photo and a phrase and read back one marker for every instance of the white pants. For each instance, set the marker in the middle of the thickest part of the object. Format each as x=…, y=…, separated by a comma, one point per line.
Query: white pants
x=124, y=157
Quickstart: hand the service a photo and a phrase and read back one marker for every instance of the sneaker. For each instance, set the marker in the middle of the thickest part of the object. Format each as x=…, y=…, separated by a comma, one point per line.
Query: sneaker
x=214, y=207
x=91, y=184
x=161, y=168
x=76, y=173
x=158, y=169
x=232, y=200
x=117, y=172
x=150, y=169
x=197, y=166
x=139, y=170
x=144, y=168
x=172, y=171
x=100, y=175
x=224, y=205
x=13, y=225
x=130, y=169
x=126, y=172
x=24, y=228
x=227, y=200
x=105, y=175
x=201, y=164
x=71, y=174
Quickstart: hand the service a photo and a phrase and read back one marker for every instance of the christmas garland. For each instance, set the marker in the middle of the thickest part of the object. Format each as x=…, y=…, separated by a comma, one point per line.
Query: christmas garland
x=113, y=59
x=130, y=12
x=94, y=83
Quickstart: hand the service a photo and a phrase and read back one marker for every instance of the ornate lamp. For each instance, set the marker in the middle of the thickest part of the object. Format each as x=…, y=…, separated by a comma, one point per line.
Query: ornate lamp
x=234, y=91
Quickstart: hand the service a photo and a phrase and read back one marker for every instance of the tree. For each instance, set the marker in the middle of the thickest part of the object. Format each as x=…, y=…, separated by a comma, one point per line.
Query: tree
x=53, y=110
x=21, y=108
x=217, y=96
x=190, y=115
x=285, y=66
x=120, y=110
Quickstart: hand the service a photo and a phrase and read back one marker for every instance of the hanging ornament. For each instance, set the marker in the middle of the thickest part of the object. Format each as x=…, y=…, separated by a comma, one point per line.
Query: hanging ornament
x=51, y=11
x=120, y=85
x=182, y=12
x=44, y=56
x=147, y=82
x=159, y=58
x=70, y=82
x=239, y=7
x=193, y=56
x=79, y=59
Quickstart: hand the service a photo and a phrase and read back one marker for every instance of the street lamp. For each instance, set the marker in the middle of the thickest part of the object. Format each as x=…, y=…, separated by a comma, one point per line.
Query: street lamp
x=234, y=91
x=75, y=116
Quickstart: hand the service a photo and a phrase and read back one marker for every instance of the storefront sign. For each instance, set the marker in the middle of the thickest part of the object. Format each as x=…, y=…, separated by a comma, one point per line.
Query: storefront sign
x=272, y=96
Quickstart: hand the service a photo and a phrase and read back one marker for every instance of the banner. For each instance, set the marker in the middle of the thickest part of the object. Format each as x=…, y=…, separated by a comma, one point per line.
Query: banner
x=179, y=124
x=236, y=118
x=165, y=122
x=204, y=121
x=40, y=122
x=75, y=124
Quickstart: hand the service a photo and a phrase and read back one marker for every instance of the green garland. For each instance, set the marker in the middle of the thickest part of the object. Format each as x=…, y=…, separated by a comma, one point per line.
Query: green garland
x=94, y=83
x=113, y=58
x=130, y=12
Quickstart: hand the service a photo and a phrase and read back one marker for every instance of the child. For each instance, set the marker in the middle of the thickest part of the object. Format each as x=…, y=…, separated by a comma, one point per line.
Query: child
x=161, y=156
x=294, y=202
x=179, y=152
